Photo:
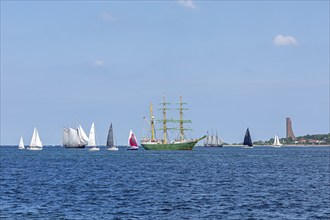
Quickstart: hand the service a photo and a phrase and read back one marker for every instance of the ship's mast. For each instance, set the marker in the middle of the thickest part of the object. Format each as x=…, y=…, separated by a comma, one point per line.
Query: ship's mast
x=164, y=121
x=152, y=124
x=181, y=121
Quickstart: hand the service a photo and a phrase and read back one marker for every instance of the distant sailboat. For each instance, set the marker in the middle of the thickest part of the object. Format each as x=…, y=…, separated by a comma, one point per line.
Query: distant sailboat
x=213, y=141
x=247, y=140
x=110, y=140
x=35, y=143
x=277, y=142
x=92, y=140
x=74, y=137
x=132, y=142
x=21, y=144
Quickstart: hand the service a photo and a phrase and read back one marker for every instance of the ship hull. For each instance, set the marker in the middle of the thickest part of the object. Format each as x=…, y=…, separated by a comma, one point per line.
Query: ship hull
x=178, y=146
x=80, y=146
x=189, y=145
x=213, y=145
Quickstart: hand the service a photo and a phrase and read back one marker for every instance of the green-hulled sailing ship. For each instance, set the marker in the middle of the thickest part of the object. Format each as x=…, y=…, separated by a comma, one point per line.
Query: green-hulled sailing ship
x=181, y=143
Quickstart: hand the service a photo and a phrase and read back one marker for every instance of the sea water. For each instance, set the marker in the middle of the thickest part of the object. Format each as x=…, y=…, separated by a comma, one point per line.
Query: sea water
x=205, y=183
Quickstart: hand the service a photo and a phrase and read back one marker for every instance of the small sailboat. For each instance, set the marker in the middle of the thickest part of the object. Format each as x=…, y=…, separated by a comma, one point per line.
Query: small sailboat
x=277, y=142
x=92, y=140
x=35, y=143
x=247, y=140
x=21, y=144
x=110, y=140
x=132, y=142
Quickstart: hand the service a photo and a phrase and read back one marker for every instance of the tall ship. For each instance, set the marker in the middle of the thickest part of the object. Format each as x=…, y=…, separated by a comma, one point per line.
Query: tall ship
x=74, y=137
x=213, y=140
x=181, y=143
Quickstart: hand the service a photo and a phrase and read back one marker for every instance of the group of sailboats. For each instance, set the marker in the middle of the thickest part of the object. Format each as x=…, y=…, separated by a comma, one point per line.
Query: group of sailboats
x=73, y=138
x=35, y=143
x=248, y=141
x=91, y=140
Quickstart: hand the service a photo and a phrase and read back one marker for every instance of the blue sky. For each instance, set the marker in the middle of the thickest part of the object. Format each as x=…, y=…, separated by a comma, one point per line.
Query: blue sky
x=238, y=64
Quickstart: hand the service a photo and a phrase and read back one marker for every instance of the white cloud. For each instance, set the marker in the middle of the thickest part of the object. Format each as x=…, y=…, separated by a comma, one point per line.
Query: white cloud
x=108, y=17
x=187, y=4
x=281, y=40
x=99, y=63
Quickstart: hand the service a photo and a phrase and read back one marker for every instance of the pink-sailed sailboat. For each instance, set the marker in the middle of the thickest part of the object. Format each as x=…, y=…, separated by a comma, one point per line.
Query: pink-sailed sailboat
x=132, y=142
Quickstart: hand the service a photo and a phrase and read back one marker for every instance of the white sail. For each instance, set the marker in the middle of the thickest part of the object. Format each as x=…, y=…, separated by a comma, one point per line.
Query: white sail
x=214, y=140
x=218, y=141
x=74, y=139
x=35, y=141
x=277, y=141
x=21, y=144
x=82, y=135
x=66, y=137
x=91, y=137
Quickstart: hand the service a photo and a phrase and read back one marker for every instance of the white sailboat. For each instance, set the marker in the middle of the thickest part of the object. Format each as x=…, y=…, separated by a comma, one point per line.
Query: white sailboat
x=21, y=144
x=35, y=143
x=213, y=141
x=132, y=142
x=74, y=137
x=277, y=142
x=110, y=140
x=92, y=140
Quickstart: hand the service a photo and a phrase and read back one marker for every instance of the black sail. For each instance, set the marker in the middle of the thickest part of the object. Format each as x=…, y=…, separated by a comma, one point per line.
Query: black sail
x=247, y=139
x=110, y=137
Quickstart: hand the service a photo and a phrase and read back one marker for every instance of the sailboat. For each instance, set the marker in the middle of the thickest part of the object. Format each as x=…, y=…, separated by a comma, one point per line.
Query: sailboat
x=132, y=142
x=35, y=143
x=247, y=140
x=21, y=144
x=164, y=144
x=110, y=140
x=277, y=142
x=74, y=137
x=92, y=140
x=213, y=141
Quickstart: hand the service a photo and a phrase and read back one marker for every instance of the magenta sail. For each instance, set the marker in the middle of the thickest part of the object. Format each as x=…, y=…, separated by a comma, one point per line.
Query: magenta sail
x=132, y=142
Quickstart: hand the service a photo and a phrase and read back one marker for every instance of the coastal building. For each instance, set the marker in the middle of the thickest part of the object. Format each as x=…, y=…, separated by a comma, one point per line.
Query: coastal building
x=289, y=131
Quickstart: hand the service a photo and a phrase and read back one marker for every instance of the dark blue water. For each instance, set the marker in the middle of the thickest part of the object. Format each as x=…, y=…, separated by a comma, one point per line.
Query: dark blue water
x=206, y=183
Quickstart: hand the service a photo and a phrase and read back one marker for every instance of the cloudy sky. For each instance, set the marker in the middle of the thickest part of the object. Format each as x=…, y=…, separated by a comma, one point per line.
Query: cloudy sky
x=237, y=64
